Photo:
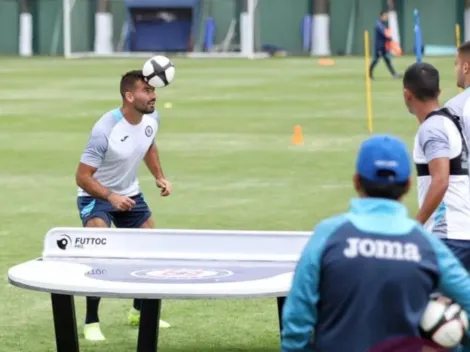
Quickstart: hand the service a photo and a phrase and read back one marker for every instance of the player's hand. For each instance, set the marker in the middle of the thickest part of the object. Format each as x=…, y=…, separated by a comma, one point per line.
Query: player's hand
x=164, y=185
x=121, y=203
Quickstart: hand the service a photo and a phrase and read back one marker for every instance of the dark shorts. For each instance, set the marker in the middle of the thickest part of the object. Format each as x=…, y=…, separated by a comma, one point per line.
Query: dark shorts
x=90, y=207
x=461, y=250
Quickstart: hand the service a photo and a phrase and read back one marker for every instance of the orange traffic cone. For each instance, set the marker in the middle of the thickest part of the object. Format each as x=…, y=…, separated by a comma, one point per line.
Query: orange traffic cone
x=392, y=45
x=298, y=138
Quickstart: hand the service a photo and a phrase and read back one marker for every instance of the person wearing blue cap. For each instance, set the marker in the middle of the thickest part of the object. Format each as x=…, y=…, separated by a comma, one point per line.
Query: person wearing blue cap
x=366, y=275
x=441, y=157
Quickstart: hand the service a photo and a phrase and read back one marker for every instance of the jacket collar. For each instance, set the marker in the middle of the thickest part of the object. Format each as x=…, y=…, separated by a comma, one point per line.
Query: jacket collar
x=377, y=206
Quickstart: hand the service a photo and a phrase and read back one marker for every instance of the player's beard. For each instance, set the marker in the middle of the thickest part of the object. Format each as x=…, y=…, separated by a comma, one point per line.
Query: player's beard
x=145, y=108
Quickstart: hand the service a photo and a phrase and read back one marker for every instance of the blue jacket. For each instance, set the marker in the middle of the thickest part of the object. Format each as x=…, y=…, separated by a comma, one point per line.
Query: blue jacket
x=380, y=37
x=364, y=277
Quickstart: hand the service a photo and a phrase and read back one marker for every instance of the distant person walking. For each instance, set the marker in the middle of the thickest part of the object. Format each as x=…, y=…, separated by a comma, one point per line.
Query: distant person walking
x=382, y=41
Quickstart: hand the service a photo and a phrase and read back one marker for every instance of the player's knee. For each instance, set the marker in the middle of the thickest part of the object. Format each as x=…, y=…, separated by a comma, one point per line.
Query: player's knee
x=148, y=224
x=96, y=222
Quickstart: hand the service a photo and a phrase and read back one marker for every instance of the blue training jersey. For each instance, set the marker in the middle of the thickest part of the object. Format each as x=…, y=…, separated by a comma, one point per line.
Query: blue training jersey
x=365, y=277
x=380, y=36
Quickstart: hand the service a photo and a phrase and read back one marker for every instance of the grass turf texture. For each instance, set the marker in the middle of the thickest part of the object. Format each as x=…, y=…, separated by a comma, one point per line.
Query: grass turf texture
x=225, y=145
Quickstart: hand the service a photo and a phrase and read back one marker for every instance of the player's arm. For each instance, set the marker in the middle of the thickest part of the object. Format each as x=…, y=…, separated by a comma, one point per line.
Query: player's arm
x=85, y=180
x=152, y=160
x=454, y=280
x=436, y=150
x=299, y=314
x=90, y=161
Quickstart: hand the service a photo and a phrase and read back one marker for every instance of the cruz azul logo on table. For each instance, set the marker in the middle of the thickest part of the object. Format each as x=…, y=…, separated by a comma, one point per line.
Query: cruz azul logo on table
x=181, y=274
x=64, y=242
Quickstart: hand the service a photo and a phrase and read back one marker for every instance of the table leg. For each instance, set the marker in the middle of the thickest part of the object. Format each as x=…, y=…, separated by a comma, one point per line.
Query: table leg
x=280, y=306
x=148, y=328
x=65, y=324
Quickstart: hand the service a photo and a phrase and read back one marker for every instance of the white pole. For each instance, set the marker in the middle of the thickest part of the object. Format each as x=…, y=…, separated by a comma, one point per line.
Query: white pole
x=321, y=30
x=247, y=31
x=393, y=23
x=66, y=8
x=26, y=34
x=103, y=33
x=251, y=28
x=466, y=25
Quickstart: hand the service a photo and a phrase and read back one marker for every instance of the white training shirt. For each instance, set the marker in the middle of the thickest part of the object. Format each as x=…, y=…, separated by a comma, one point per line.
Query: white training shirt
x=460, y=106
x=116, y=149
x=438, y=137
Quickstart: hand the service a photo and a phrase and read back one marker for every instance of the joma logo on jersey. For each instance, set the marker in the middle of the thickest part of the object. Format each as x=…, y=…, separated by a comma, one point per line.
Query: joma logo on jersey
x=382, y=249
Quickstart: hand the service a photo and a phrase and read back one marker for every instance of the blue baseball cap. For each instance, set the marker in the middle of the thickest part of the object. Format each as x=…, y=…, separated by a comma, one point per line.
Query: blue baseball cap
x=384, y=159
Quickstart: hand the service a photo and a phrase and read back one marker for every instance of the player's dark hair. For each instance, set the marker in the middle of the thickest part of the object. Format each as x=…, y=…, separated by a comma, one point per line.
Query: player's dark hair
x=464, y=48
x=383, y=12
x=422, y=79
x=374, y=189
x=128, y=81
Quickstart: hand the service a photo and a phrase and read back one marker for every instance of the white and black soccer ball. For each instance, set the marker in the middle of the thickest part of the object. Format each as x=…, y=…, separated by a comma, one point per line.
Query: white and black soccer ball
x=158, y=71
x=444, y=322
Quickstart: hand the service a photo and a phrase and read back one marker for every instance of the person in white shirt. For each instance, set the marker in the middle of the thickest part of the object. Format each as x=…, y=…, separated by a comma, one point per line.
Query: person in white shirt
x=460, y=104
x=108, y=186
x=441, y=157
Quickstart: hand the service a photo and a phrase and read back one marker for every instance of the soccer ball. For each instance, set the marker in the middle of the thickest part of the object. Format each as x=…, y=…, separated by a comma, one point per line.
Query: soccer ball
x=158, y=71
x=444, y=322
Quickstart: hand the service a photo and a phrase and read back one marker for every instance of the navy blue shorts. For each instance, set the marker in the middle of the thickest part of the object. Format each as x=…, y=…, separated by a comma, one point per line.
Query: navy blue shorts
x=461, y=250
x=90, y=207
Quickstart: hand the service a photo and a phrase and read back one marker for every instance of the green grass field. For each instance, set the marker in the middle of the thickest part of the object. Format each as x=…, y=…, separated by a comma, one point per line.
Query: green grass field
x=225, y=145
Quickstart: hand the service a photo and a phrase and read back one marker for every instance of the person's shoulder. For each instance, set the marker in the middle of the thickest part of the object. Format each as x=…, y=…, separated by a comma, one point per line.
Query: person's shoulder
x=433, y=129
x=107, y=121
x=153, y=117
x=419, y=229
x=415, y=225
x=323, y=231
x=433, y=123
x=455, y=104
x=451, y=102
x=443, y=122
x=328, y=226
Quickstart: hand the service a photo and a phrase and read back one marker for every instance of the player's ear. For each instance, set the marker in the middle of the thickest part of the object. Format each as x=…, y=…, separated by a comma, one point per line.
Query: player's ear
x=407, y=94
x=129, y=97
x=465, y=67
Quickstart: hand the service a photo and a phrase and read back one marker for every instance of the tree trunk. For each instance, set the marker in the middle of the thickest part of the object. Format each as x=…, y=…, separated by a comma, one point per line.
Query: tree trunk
x=321, y=29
